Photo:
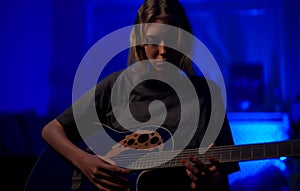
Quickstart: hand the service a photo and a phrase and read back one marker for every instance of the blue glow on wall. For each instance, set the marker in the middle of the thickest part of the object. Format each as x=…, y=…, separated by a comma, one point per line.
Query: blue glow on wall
x=250, y=128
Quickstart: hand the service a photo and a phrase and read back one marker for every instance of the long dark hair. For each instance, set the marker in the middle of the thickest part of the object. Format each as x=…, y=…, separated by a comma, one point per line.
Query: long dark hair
x=170, y=11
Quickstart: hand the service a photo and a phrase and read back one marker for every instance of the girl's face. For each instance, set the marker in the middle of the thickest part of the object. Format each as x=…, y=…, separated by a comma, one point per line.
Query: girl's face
x=155, y=39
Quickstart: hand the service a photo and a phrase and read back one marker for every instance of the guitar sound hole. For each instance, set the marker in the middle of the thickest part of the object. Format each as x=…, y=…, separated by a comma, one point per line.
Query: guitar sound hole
x=143, y=138
x=154, y=140
x=130, y=142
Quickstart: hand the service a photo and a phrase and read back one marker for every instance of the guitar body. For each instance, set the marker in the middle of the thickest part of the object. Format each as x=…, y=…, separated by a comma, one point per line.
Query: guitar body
x=52, y=172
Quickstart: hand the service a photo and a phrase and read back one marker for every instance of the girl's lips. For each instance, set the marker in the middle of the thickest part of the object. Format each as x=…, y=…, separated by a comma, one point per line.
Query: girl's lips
x=160, y=62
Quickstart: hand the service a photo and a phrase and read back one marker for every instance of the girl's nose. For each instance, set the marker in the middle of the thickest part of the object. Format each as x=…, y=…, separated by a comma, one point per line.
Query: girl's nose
x=162, y=48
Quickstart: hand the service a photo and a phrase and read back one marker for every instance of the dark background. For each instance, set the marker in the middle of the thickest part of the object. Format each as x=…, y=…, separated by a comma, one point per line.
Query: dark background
x=255, y=42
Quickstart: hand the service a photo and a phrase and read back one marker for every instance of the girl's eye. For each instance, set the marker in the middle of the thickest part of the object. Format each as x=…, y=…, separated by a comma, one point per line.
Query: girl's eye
x=155, y=41
x=152, y=41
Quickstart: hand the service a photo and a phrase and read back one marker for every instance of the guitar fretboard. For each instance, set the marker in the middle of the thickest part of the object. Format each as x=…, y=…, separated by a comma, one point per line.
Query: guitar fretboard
x=230, y=153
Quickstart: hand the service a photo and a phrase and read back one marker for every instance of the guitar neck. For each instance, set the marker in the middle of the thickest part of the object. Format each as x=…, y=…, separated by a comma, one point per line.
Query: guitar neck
x=253, y=151
x=224, y=154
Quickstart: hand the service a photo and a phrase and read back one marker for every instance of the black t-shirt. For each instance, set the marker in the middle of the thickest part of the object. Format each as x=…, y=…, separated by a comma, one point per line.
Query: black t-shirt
x=97, y=106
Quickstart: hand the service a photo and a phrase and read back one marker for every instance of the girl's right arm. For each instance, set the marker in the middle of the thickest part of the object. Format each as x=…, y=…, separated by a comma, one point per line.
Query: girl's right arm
x=98, y=171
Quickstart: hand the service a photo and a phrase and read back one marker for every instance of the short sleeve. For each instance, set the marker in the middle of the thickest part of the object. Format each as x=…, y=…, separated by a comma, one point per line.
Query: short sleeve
x=79, y=110
x=79, y=119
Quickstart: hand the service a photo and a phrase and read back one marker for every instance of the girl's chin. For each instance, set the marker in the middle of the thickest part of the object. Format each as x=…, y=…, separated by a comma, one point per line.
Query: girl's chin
x=159, y=66
x=160, y=63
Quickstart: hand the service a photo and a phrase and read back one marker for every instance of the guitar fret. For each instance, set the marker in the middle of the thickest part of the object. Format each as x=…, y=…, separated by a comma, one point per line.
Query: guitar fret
x=271, y=150
x=230, y=158
x=240, y=148
x=296, y=147
x=258, y=152
x=251, y=152
x=264, y=150
x=212, y=153
x=179, y=158
x=176, y=161
x=225, y=156
x=217, y=155
x=203, y=157
x=292, y=148
x=209, y=155
x=221, y=153
x=206, y=155
x=179, y=161
x=246, y=155
x=285, y=149
x=235, y=154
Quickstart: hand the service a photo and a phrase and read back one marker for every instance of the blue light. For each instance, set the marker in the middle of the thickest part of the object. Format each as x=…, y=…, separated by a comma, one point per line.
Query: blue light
x=250, y=128
x=282, y=158
x=245, y=104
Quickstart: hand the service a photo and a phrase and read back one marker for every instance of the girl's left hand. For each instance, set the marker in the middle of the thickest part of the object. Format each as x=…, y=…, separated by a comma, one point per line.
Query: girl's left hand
x=208, y=177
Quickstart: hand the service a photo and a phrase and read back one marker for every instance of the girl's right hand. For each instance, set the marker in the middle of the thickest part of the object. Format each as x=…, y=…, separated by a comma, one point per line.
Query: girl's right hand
x=103, y=174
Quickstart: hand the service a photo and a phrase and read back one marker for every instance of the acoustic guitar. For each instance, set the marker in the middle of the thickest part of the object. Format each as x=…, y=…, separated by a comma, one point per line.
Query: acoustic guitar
x=142, y=150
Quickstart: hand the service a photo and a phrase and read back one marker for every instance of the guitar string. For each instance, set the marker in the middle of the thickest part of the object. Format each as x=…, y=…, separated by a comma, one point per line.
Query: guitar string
x=162, y=162
x=160, y=157
x=213, y=152
x=215, y=149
